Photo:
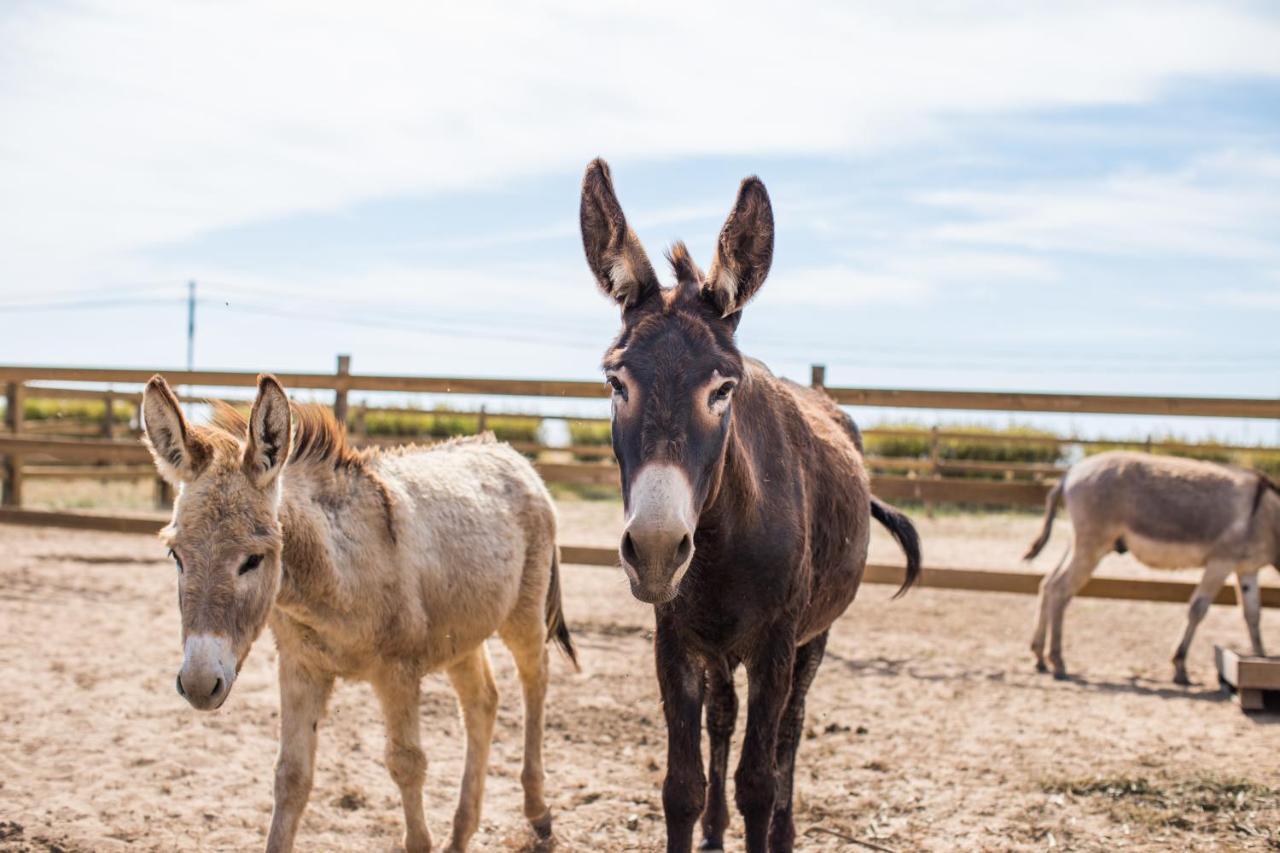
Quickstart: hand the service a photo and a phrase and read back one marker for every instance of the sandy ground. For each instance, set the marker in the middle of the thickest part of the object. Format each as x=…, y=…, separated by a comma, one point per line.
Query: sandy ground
x=927, y=729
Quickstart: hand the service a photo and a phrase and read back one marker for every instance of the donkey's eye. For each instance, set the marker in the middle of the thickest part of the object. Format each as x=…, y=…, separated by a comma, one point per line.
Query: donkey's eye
x=177, y=560
x=616, y=384
x=251, y=564
x=722, y=393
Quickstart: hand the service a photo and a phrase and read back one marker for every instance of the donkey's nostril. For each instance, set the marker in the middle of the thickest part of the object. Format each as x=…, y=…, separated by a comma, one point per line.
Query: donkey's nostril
x=629, y=550
x=181, y=692
x=682, y=550
x=217, y=686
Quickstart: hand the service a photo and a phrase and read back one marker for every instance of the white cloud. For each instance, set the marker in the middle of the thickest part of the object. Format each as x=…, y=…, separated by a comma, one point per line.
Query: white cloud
x=132, y=124
x=1266, y=300
x=843, y=287
x=1225, y=206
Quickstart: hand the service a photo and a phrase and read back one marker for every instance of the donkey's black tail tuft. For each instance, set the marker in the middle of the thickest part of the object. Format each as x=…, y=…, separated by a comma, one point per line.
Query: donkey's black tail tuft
x=556, y=628
x=1050, y=510
x=908, y=539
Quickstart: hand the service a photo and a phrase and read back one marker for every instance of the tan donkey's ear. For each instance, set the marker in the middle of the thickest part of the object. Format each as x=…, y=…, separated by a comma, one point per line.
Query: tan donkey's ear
x=179, y=455
x=269, y=425
x=614, y=253
x=744, y=251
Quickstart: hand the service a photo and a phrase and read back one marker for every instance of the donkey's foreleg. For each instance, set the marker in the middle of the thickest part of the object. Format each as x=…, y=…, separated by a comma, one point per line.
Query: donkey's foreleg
x=684, y=790
x=472, y=679
x=722, y=715
x=398, y=692
x=302, y=702
x=1215, y=575
x=1250, y=595
x=769, y=686
x=782, y=831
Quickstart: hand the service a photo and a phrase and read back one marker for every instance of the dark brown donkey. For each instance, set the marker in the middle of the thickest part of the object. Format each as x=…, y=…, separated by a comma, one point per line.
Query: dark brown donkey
x=747, y=513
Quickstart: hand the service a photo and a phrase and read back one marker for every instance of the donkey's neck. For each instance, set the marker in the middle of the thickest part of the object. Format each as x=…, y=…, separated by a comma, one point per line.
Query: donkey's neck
x=314, y=513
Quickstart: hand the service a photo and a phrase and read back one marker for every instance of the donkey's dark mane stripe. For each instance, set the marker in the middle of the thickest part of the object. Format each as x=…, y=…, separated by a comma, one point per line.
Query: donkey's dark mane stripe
x=318, y=439
x=317, y=435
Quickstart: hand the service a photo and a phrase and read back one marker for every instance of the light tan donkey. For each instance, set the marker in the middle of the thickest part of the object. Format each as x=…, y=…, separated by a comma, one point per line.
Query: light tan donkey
x=1171, y=513
x=373, y=565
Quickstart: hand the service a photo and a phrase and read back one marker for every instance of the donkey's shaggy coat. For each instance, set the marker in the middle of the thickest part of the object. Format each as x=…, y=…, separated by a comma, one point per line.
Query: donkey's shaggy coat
x=748, y=513
x=372, y=565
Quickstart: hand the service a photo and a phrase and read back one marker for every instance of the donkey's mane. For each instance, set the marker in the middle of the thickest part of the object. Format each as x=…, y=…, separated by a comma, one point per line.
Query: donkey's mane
x=686, y=270
x=318, y=438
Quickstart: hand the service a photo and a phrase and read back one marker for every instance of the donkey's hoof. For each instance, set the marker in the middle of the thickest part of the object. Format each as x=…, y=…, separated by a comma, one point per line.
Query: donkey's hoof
x=542, y=826
x=1060, y=673
x=712, y=844
x=1180, y=678
x=1041, y=666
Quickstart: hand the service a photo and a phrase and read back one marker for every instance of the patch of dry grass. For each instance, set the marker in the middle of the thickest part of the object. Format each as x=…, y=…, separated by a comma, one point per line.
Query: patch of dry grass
x=1212, y=807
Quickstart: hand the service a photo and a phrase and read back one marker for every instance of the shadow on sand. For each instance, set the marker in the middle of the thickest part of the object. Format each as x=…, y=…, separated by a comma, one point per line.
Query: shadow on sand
x=1030, y=680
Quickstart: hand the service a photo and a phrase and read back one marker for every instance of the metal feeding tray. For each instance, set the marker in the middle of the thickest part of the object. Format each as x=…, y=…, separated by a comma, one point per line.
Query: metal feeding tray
x=1255, y=680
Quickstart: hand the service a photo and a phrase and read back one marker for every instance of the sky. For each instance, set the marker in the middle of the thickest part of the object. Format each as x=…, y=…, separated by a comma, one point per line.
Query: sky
x=1076, y=197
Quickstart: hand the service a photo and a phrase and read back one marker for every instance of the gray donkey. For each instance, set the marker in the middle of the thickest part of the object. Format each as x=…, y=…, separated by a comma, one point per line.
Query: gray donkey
x=1171, y=513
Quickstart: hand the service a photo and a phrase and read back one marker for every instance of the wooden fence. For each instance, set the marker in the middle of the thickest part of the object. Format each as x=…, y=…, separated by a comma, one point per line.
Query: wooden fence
x=928, y=479
x=96, y=451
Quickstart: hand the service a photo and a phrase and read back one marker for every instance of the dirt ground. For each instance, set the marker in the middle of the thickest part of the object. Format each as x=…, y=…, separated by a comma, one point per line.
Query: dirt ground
x=928, y=728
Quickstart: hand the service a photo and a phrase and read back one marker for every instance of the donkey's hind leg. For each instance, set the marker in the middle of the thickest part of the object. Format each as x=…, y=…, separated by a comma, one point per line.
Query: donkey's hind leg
x=782, y=830
x=526, y=636
x=472, y=679
x=722, y=715
x=1042, y=613
x=1058, y=590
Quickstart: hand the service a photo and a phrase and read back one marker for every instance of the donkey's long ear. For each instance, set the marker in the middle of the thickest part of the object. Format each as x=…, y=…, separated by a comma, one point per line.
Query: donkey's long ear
x=179, y=454
x=269, y=425
x=613, y=252
x=744, y=251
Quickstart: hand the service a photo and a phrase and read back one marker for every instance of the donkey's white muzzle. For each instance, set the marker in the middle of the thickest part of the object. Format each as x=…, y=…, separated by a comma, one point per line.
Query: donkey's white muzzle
x=657, y=545
x=208, y=671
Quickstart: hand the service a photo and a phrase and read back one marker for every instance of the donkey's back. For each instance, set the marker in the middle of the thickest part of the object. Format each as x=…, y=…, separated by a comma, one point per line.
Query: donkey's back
x=1171, y=512
x=475, y=537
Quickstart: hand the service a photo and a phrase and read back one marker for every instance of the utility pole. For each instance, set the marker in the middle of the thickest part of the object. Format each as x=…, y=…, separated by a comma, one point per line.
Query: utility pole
x=191, y=325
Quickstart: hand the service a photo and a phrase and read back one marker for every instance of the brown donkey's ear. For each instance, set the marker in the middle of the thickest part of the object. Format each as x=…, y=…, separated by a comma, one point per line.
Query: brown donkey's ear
x=744, y=251
x=269, y=425
x=613, y=252
x=179, y=454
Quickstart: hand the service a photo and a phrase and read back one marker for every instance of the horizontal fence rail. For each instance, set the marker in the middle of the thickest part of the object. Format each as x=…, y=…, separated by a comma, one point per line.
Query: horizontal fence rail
x=972, y=580
x=1007, y=401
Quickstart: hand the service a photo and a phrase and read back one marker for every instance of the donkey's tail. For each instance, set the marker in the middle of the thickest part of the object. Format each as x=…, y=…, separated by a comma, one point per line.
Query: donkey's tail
x=1050, y=510
x=556, y=628
x=905, y=532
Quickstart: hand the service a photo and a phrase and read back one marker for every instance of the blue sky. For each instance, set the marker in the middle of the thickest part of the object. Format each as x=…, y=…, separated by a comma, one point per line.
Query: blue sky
x=1080, y=197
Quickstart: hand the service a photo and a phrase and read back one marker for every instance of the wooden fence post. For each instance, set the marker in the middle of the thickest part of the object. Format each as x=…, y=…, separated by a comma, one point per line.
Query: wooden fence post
x=358, y=426
x=108, y=415
x=14, y=401
x=935, y=468
x=164, y=494
x=482, y=422
x=818, y=375
x=340, y=389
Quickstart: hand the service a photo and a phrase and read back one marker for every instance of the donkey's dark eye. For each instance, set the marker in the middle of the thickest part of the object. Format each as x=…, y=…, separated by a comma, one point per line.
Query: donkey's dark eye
x=722, y=393
x=177, y=560
x=251, y=564
x=616, y=384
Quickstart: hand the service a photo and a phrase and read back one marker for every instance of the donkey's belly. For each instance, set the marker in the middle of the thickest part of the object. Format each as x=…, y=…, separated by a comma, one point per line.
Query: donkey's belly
x=1166, y=555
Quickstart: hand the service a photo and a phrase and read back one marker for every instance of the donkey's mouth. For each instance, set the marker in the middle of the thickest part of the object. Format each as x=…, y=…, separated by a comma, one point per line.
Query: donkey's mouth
x=650, y=595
